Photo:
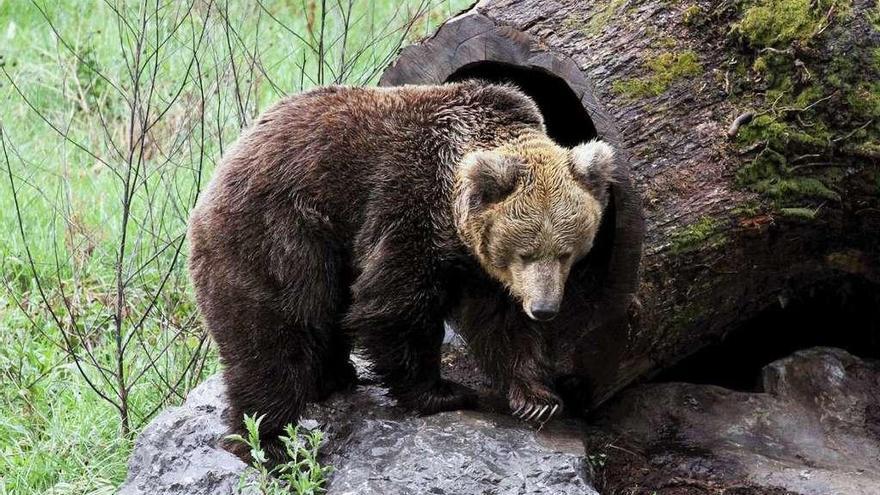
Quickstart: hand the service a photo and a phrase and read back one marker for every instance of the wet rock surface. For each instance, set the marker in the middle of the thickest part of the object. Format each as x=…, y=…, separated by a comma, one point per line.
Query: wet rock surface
x=373, y=446
x=376, y=448
x=814, y=429
x=177, y=454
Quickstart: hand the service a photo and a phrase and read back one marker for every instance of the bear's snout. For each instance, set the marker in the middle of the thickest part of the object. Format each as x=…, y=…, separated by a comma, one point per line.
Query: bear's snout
x=541, y=285
x=543, y=310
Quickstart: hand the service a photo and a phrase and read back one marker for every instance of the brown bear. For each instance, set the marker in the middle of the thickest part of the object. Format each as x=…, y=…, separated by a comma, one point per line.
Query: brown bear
x=371, y=215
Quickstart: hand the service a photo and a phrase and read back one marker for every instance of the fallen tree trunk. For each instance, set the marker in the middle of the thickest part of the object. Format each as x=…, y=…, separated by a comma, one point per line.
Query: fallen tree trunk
x=750, y=136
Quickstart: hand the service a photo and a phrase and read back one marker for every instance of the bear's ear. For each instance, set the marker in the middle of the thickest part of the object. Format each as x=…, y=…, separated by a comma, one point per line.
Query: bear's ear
x=593, y=165
x=491, y=176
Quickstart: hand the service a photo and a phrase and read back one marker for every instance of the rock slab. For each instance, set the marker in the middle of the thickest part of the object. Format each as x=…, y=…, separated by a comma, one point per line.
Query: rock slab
x=176, y=454
x=814, y=429
x=373, y=446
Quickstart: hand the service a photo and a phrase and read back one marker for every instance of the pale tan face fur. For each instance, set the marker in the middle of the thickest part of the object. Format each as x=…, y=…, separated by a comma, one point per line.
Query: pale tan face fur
x=529, y=210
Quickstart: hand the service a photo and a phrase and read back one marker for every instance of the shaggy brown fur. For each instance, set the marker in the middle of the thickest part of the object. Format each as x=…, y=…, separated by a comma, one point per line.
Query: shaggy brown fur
x=367, y=213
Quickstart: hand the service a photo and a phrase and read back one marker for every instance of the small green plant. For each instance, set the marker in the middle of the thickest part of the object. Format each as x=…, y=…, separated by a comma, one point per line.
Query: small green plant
x=89, y=88
x=302, y=474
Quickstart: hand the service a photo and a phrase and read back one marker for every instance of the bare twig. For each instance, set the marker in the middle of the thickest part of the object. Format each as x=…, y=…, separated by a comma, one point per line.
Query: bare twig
x=190, y=75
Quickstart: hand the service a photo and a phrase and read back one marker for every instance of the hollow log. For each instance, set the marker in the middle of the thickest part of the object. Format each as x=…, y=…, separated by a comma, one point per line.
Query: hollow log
x=750, y=162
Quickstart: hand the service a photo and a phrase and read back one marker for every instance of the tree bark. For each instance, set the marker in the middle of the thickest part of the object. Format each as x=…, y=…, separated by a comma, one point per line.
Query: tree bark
x=742, y=185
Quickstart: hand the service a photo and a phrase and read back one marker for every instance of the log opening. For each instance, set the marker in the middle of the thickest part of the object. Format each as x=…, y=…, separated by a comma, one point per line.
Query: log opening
x=840, y=312
x=568, y=123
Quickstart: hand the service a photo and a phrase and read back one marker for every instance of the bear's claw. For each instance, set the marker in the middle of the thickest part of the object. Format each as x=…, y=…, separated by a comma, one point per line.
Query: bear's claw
x=537, y=413
x=534, y=403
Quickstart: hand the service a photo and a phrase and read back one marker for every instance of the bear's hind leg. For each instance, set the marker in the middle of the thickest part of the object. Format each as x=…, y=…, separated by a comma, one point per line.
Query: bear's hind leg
x=272, y=369
x=279, y=338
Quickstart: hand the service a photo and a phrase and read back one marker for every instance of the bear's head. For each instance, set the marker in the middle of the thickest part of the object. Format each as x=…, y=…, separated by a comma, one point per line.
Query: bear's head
x=528, y=210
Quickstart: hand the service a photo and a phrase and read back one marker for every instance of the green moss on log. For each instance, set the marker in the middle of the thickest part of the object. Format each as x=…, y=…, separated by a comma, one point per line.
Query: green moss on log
x=684, y=316
x=799, y=213
x=748, y=208
x=794, y=189
x=874, y=16
x=603, y=15
x=779, y=134
x=595, y=24
x=705, y=232
x=692, y=15
x=770, y=23
x=664, y=70
x=817, y=82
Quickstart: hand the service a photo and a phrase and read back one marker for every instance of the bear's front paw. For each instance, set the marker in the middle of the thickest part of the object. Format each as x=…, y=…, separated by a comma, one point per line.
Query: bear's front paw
x=533, y=402
x=443, y=396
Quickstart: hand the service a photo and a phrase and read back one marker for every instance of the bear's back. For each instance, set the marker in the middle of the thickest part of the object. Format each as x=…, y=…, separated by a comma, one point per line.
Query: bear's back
x=325, y=151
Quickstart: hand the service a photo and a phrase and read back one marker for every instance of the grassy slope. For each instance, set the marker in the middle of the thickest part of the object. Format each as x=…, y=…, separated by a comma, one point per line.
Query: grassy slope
x=56, y=433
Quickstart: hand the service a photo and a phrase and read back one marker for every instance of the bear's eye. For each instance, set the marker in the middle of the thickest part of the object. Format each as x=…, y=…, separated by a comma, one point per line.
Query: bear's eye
x=564, y=257
x=528, y=258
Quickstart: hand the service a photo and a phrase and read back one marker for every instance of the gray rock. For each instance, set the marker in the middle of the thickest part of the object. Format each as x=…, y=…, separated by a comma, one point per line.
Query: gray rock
x=176, y=453
x=814, y=430
x=374, y=448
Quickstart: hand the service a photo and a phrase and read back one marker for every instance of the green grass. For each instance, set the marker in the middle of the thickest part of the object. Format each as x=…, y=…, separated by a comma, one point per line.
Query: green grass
x=63, y=94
